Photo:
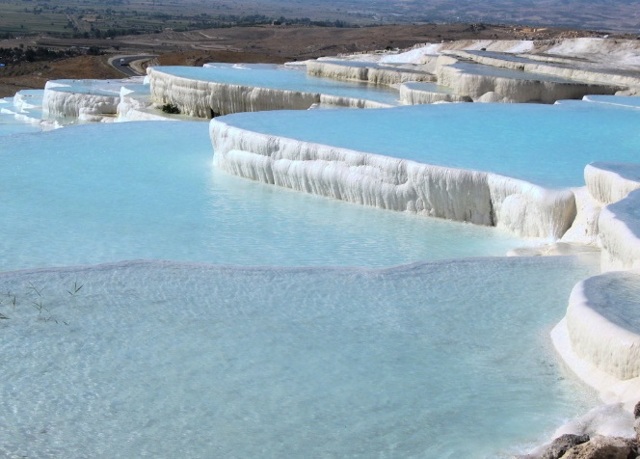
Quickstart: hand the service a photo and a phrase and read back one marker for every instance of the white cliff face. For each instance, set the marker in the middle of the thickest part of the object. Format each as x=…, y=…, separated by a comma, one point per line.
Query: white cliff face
x=391, y=183
x=65, y=101
x=615, y=188
x=204, y=99
x=600, y=71
x=369, y=72
x=429, y=93
x=135, y=105
x=207, y=99
x=64, y=104
x=610, y=182
x=530, y=210
x=619, y=232
x=599, y=338
x=511, y=86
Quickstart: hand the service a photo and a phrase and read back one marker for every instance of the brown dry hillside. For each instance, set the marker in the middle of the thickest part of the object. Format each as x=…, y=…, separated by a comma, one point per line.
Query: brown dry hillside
x=272, y=44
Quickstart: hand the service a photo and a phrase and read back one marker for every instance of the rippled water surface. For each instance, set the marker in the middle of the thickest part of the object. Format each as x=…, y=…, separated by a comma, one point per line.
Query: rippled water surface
x=443, y=360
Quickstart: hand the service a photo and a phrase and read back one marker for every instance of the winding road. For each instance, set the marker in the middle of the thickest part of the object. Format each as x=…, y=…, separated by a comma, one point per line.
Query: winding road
x=122, y=63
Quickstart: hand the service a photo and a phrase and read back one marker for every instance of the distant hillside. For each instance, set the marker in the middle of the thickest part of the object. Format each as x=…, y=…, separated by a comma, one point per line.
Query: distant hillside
x=114, y=18
x=605, y=15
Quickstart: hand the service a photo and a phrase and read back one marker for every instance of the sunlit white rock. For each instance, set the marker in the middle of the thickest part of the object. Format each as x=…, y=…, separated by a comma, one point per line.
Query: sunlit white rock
x=392, y=183
x=207, y=98
x=88, y=99
x=428, y=93
x=611, y=182
x=608, y=420
x=369, y=72
x=603, y=69
x=584, y=229
x=619, y=233
x=510, y=85
x=599, y=338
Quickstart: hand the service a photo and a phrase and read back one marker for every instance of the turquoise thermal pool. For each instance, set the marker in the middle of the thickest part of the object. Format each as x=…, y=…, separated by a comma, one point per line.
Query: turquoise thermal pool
x=283, y=78
x=101, y=193
x=548, y=145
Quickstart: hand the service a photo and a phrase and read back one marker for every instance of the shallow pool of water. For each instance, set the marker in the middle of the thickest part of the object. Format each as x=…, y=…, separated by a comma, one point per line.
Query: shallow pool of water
x=99, y=193
x=545, y=144
x=443, y=360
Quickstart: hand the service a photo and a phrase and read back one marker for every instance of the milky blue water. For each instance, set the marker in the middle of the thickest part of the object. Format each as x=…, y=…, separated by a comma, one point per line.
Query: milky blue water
x=284, y=78
x=98, y=193
x=545, y=144
x=168, y=359
x=434, y=361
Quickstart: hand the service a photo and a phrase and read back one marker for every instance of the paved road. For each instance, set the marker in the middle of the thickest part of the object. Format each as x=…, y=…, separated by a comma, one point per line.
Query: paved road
x=121, y=63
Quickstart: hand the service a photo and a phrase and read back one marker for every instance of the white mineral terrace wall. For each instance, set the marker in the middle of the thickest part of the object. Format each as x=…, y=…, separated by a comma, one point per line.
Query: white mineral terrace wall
x=412, y=95
x=619, y=232
x=625, y=80
x=611, y=182
x=595, y=345
x=372, y=73
x=492, y=88
x=391, y=183
x=204, y=99
x=615, y=192
x=62, y=102
x=613, y=348
x=600, y=335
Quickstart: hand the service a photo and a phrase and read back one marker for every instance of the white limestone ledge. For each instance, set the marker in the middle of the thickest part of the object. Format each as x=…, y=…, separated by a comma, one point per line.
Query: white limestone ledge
x=207, y=99
x=606, y=183
x=369, y=72
x=614, y=189
x=611, y=182
x=413, y=93
x=599, y=337
x=391, y=183
x=584, y=229
x=614, y=77
x=619, y=234
x=66, y=101
x=484, y=83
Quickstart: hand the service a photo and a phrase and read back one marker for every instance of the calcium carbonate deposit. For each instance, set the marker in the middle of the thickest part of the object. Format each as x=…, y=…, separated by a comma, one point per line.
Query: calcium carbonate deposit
x=155, y=302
